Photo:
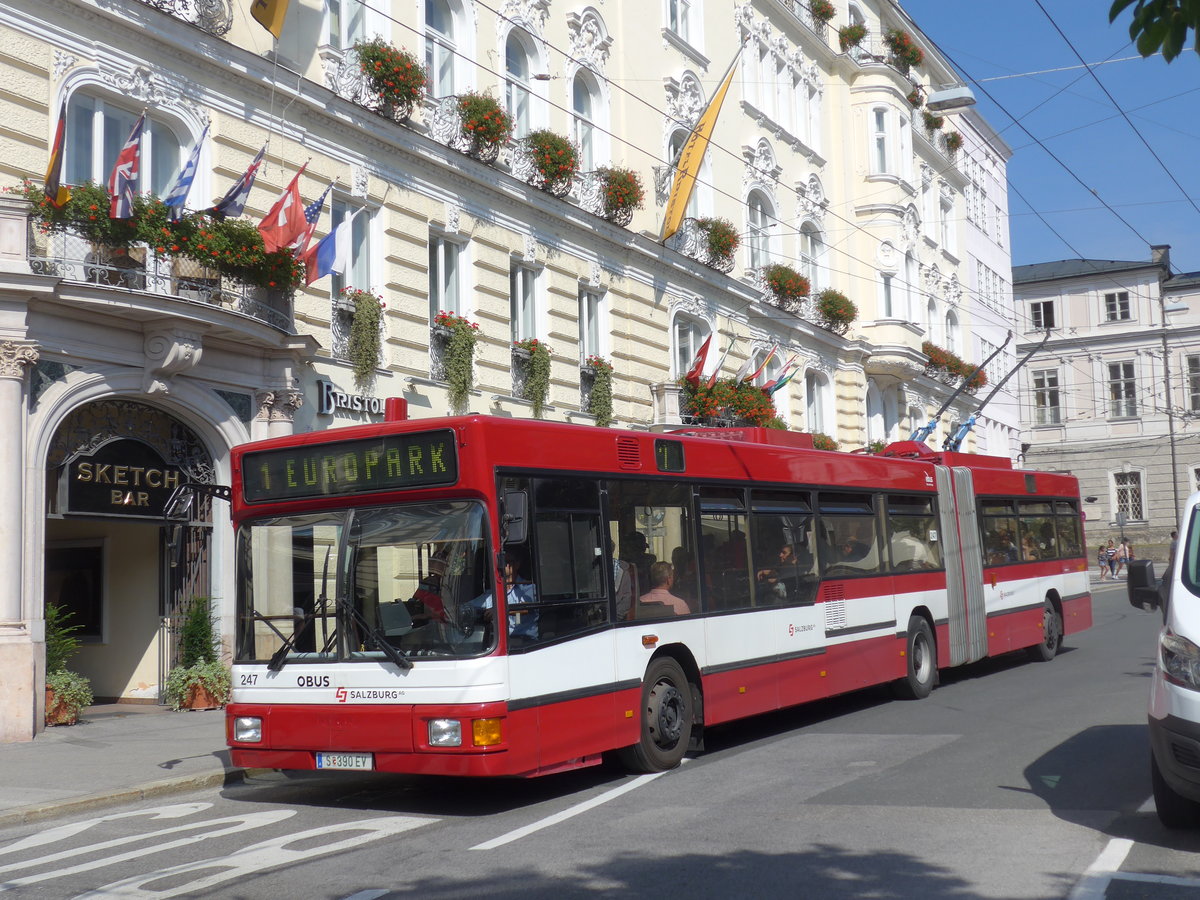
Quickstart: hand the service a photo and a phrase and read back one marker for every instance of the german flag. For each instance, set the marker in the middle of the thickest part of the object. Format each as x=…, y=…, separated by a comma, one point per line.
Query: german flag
x=56, y=193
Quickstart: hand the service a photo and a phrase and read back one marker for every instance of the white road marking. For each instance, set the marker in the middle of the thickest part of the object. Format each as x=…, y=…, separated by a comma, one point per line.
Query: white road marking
x=232, y=825
x=1095, y=880
x=255, y=860
x=568, y=813
x=62, y=832
x=368, y=895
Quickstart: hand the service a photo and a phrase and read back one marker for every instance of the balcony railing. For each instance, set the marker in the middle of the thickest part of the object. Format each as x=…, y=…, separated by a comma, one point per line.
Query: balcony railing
x=692, y=241
x=213, y=16
x=138, y=268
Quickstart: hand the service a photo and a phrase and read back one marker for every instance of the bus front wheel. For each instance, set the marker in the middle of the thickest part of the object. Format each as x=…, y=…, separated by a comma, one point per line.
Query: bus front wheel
x=666, y=715
x=1052, y=634
x=921, y=659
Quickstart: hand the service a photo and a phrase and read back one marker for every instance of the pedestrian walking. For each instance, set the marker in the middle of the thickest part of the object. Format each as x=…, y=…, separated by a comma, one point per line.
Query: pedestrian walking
x=1102, y=561
x=1122, y=555
x=1110, y=553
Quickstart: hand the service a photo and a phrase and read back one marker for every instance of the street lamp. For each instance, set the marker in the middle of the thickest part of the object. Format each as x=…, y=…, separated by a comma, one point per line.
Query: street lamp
x=1166, y=309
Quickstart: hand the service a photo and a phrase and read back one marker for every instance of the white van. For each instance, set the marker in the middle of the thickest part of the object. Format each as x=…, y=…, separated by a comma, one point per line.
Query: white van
x=1175, y=688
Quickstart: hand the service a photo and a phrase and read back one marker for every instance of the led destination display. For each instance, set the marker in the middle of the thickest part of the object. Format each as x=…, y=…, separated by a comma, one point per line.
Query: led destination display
x=387, y=463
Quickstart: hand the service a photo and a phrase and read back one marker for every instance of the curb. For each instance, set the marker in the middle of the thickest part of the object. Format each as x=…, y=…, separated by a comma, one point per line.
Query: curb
x=40, y=812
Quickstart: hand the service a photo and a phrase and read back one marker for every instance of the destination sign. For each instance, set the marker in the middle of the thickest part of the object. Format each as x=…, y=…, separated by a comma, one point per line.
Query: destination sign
x=388, y=463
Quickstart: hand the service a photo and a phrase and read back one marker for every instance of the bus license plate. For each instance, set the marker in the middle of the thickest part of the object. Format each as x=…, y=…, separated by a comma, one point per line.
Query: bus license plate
x=345, y=761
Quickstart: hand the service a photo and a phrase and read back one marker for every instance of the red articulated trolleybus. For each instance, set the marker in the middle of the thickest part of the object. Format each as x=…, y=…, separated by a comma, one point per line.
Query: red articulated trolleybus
x=489, y=596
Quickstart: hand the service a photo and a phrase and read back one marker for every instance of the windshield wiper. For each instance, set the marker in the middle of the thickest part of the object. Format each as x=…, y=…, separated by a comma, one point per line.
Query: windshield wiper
x=279, y=657
x=354, y=614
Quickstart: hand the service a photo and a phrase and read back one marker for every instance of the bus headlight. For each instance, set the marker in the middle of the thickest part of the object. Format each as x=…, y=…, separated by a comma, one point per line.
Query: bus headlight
x=445, y=733
x=1180, y=661
x=247, y=730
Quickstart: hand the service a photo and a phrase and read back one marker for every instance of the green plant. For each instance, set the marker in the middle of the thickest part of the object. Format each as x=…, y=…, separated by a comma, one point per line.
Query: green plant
x=363, y=345
x=61, y=643
x=904, y=52
x=395, y=76
x=851, y=36
x=822, y=10
x=485, y=122
x=916, y=98
x=876, y=446
x=537, y=372
x=233, y=247
x=949, y=368
x=600, y=400
x=555, y=161
x=721, y=238
x=932, y=121
x=953, y=141
x=788, y=285
x=197, y=637
x=458, y=356
x=212, y=675
x=729, y=398
x=623, y=193
x=835, y=311
x=72, y=692
x=823, y=441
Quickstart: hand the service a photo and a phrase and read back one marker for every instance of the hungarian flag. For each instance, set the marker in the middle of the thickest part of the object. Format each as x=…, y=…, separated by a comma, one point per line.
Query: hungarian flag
x=123, y=180
x=231, y=205
x=284, y=222
x=55, y=192
x=693, y=374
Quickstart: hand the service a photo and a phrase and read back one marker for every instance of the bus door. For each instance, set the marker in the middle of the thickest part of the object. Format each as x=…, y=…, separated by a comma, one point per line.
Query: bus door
x=966, y=612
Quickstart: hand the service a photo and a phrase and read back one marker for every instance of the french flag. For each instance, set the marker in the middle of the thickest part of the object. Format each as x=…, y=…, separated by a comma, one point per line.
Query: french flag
x=330, y=254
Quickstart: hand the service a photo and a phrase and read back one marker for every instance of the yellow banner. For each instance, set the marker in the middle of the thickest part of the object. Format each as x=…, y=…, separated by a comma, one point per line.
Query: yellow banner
x=687, y=166
x=269, y=14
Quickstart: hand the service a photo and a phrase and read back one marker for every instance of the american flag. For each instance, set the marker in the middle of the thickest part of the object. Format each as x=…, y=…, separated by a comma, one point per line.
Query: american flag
x=123, y=180
x=312, y=214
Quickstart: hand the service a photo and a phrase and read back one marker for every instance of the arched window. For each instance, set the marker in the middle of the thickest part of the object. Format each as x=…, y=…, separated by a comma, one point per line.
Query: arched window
x=440, y=47
x=97, y=129
x=699, y=201
x=952, y=342
x=910, y=286
x=876, y=426
x=812, y=249
x=687, y=336
x=817, y=399
x=758, y=221
x=881, y=141
x=585, y=103
x=931, y=320
x=518, y=93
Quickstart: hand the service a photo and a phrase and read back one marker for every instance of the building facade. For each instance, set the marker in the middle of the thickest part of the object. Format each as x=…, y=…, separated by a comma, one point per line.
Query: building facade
x=1112, y=391
x=128, y=370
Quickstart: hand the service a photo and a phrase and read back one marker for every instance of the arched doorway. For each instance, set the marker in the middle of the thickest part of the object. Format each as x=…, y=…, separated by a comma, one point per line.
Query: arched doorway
x=110, y=468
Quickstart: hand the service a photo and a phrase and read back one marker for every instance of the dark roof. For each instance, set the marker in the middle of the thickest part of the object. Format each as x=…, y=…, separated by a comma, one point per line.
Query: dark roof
x=1074, y=268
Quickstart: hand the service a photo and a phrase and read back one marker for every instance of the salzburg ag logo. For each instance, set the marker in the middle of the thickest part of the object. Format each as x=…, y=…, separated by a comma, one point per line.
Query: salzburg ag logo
x=341, y=695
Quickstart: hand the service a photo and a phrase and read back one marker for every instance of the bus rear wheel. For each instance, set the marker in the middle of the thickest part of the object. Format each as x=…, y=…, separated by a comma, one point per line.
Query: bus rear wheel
x=666, y=715
x=921, y=658
x=1052, y=634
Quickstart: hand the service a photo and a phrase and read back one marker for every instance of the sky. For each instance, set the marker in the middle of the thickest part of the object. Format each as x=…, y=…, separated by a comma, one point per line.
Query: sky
x=1073, y=150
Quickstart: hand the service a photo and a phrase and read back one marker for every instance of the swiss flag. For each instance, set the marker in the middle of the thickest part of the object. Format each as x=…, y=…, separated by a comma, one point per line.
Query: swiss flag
x=284, y=222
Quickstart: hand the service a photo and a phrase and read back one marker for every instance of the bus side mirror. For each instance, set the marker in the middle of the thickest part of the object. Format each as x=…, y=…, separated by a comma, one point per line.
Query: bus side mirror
x=514, y=525
x=1141, y=586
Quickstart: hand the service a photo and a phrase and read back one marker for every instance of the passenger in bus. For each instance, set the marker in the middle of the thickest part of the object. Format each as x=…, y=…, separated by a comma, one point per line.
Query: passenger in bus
x=634, y=551
x=684, y=563
x=853, y=550
x=780, y=579
x=659, y=598
x=1028, y=548
x=910, y=552
x=624, y=583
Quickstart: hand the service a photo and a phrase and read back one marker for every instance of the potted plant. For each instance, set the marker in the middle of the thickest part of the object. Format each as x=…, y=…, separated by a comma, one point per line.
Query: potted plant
x=835, y=311
x=742, y=402
x=363, y=346
x=201, y=680
x=623, y=193
x=916, y=97
x=721, y=240
x=851, y=36
x=555, y=161
x=823, y=441
x=905, y=53
x=822, y=10
x=485, y=125
x=67, y=692
x=458, y=335
x=600, y=405
x=932, y=121
x=536, y=359
x=787, y=285
x=953, y=142
x=396, y=77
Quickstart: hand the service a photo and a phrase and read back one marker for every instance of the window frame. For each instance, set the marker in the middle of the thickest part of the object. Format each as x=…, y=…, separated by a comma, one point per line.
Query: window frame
x=1122, y=389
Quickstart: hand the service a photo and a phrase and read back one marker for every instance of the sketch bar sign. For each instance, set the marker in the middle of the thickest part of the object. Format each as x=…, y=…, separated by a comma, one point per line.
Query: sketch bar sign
x=121, y=478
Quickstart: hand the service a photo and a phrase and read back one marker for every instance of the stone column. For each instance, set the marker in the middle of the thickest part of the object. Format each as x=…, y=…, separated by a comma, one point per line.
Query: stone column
x=276, y=413
x=22, y=631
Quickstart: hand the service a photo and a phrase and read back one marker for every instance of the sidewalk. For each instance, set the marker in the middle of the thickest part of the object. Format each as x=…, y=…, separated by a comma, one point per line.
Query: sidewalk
x=118, y=753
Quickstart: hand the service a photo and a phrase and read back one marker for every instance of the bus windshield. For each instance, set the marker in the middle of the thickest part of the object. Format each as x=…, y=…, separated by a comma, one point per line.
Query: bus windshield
x=340, y=584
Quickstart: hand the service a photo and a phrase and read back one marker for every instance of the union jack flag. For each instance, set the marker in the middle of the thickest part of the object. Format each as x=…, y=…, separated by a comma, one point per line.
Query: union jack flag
x=123, y=180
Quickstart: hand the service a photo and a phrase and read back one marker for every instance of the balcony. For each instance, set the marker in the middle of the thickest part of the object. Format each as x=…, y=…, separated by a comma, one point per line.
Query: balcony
x=896, y=349
x=213, y=16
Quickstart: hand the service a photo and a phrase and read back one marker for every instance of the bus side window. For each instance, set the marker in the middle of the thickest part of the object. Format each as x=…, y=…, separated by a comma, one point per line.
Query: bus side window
x=655, y=526
x=912, y=532
x=723, y=525
x=849, y=527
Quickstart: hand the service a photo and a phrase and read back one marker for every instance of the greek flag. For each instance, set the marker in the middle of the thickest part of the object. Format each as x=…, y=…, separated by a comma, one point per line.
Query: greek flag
x=177, y=196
